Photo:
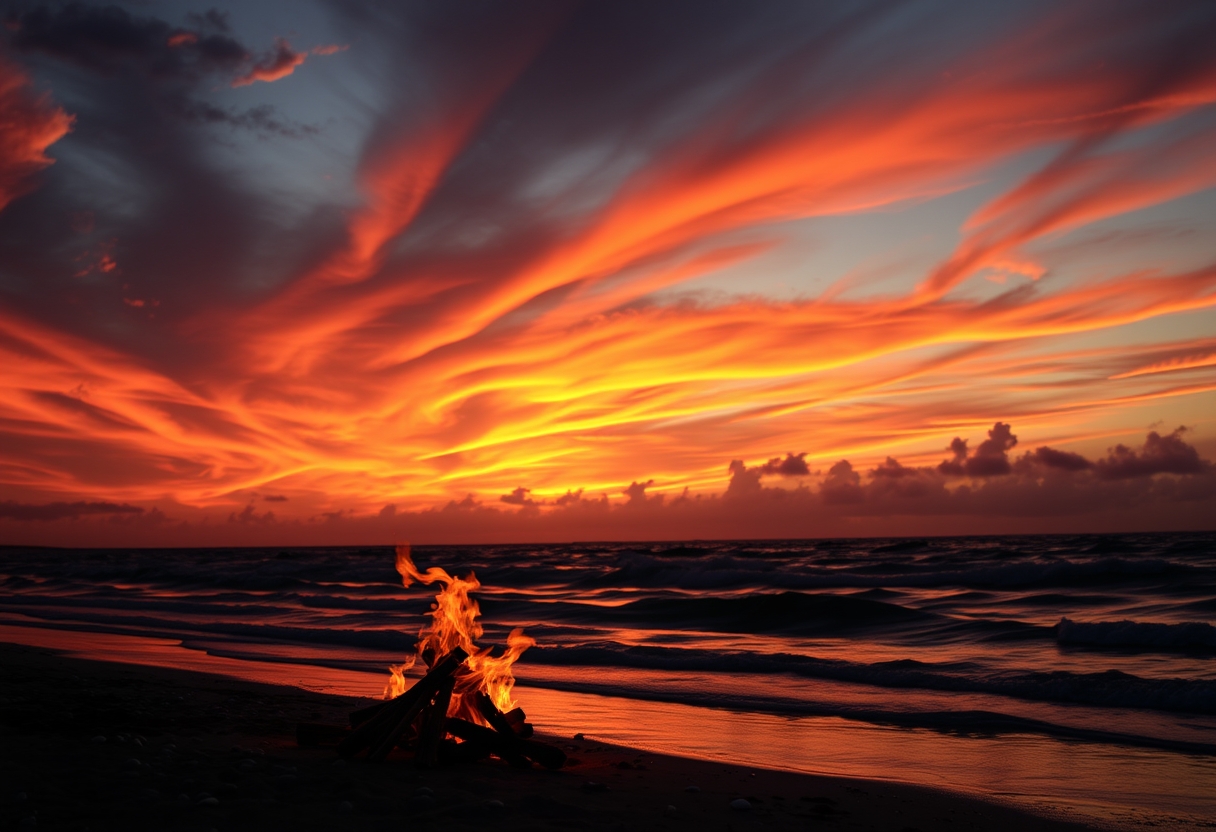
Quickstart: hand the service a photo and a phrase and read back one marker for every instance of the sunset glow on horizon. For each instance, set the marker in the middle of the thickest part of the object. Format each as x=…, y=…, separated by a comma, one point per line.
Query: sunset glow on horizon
x=566, y=271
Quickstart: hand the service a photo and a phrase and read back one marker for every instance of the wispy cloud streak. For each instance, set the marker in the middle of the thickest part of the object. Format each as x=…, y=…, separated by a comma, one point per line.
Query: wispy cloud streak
x=560, y=275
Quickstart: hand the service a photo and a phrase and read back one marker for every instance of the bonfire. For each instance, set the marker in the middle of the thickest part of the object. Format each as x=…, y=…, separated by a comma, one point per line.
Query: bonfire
x=462, y=709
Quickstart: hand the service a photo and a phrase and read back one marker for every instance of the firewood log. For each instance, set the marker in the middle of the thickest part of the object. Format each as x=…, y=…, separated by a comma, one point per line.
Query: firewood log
x=508, y=750
x=434, y=718
x=362, y=715
x=519, y=721
x=503, y=744
x=381, y=732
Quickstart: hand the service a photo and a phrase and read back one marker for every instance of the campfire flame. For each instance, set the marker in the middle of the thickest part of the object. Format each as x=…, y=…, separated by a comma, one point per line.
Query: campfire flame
x=454, y=624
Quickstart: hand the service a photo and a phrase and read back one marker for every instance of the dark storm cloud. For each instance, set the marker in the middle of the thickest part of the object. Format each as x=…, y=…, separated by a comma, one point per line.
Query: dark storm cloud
x=140, y=91
x=110, y=40
x=46, y=512
x=261, y=119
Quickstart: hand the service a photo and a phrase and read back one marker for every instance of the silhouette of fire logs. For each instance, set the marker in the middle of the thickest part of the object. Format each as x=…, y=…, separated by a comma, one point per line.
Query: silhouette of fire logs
x=417, y=721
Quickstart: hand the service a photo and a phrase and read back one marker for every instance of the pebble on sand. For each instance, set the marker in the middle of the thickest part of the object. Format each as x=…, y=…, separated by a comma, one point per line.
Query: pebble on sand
x=740, y=805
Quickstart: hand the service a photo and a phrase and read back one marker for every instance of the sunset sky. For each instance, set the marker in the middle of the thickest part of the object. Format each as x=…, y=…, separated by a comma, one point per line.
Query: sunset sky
x=357, y=272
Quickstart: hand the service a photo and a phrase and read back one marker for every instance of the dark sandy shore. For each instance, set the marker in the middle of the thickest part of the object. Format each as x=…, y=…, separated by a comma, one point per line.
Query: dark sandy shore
x=92, y=745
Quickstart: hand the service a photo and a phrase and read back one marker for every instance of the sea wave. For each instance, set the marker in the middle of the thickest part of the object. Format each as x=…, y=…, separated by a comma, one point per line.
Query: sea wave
x=1188, y=635
x=1110, y=688
x=969, y=722
x=731, y=572
x=784, y=612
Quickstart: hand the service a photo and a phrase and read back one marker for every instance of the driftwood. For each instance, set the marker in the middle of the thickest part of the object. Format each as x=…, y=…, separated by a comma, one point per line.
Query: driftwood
x=431, y=732
x=519, y=721
x=381, y=732
x=418, y=720
x=362, y=715
x=503, y=745
x=509, y=749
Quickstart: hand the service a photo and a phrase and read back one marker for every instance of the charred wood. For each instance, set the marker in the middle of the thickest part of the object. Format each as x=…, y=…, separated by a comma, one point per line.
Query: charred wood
x=519, y=722
x=362, y=715
x=506, y=745
x=431, y=731
x=381, y=732
x=509, y=750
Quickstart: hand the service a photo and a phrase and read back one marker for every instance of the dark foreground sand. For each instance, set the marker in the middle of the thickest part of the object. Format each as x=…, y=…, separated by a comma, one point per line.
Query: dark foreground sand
x=189, y=751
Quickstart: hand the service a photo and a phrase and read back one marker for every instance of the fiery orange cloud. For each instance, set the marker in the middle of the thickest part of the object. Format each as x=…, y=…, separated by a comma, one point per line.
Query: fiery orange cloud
x=29, y=124
x=398, y=178
x=1186, y=362
x=870, y=154
x=586, y=358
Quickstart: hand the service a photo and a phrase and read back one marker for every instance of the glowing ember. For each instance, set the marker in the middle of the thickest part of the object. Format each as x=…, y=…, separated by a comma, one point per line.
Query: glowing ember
x=454, y=624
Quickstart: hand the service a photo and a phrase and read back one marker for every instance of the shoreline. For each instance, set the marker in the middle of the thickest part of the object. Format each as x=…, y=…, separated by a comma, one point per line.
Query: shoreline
x=196, y=751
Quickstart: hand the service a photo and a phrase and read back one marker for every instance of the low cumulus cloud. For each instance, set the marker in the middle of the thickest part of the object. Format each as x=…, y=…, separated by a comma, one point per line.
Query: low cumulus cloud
x=842, y=485
x=1168, y=454
x=111, y=40
x=249, y=516
x=518, y=497
x=1062, y=460
x=745, y=480
x=1161, y=484
x=794, y=465
x=990, y=459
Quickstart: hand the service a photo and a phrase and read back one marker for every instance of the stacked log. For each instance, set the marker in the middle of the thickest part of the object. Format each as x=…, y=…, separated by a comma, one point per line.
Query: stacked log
x=418, y=721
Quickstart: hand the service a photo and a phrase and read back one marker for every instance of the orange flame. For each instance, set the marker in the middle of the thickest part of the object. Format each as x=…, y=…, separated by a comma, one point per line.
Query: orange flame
x=454, y=624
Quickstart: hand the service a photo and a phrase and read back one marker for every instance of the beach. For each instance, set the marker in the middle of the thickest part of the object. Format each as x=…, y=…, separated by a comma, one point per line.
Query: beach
x=193, y=751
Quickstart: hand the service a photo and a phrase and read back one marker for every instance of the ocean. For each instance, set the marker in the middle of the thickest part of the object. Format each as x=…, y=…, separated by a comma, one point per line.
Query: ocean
x=1072, y=674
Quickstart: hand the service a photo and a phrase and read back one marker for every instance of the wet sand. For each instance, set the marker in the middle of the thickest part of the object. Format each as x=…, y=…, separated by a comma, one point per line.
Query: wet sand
x=87, y=745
